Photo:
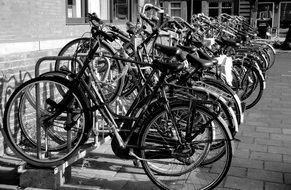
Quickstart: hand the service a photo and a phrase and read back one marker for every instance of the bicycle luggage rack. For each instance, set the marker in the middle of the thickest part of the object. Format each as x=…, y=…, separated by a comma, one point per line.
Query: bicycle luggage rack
x=54, y=177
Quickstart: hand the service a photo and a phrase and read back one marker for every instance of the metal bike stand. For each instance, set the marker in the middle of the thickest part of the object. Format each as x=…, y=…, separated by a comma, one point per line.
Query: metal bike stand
x=55, y=177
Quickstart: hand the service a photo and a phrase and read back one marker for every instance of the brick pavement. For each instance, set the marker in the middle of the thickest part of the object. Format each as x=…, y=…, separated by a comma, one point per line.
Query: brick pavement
x=262, y=160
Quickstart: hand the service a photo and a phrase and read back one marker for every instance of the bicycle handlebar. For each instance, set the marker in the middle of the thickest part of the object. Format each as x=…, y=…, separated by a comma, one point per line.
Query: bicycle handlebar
x=149, y=6
x=93, y=17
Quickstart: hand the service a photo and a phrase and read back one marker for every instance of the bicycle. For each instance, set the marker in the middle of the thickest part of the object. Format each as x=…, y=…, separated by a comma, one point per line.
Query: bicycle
x=147, y=136
x=173, y=130
x=173, y=143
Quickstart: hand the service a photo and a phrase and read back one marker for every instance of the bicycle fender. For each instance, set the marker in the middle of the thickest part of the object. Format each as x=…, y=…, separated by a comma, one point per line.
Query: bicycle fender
x=223, y=100
x=228, y=133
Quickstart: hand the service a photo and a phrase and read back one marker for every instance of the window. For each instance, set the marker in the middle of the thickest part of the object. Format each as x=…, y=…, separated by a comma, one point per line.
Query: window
x=176, y=9
x=120, y=10
x=100, y=7
x=76, y=11
x=226, y=7
x=285, y=15
x=216, y=8
x=109, y=10
x=266, y=12
x=213, y=9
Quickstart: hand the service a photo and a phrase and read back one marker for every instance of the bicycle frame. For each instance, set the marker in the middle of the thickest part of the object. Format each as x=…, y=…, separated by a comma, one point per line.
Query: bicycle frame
x=102, y=106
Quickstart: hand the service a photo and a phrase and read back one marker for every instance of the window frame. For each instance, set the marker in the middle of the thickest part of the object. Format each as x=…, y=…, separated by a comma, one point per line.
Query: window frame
x=176, y=8
x=82, y=19
x=220, y=7
x=231, y=7
x=213, y=8
x=280, y=9
x=84, y=11
x=128, y=2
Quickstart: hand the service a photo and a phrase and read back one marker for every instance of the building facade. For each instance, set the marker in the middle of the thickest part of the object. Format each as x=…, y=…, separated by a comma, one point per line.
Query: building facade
x=277, y=12
x=209, y=7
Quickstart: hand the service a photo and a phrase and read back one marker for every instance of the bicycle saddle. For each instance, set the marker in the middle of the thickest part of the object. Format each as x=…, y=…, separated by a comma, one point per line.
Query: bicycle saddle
x=205, y=56
x=227, y=42
x=168, y=50
x=171, y=51
x=169, y=67
x=187, y=48
x=198, y=62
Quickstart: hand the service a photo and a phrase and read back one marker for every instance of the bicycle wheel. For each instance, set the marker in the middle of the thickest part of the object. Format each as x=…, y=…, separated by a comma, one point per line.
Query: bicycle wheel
x=160, y=134
x=252, y=85
x=269, y=49
x=271, y=53
x=28, y=99
x=181, y=175
x=227, y=114
x=37, y=110
x=108, y=71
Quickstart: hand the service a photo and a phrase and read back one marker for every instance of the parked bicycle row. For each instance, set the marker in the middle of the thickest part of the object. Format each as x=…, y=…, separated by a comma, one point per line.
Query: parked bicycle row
x=183, y=88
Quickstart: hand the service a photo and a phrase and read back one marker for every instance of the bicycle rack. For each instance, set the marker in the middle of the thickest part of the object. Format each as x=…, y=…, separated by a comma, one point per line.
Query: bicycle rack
x=55, y=177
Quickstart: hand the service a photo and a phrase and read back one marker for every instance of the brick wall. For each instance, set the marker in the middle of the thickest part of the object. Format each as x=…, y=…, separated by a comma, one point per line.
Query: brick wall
x=29, y=30
x=26, y=20
x=15, y=69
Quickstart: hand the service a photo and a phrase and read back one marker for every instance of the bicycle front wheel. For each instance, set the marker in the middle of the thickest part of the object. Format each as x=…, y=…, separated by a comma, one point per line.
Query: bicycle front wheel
x=44, y=126
x=108, y=70
x=252, y=87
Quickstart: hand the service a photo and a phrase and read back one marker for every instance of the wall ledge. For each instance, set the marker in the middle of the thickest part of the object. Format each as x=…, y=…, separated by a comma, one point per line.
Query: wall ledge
x=21, y=47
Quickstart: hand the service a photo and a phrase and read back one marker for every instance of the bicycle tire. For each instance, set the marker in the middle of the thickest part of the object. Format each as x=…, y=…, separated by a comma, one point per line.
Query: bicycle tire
x=54, y=135
x=183, y=180
x=166, y=134
x=111, y=83
x=258, y=81
x=81, y=122
x=246, y=81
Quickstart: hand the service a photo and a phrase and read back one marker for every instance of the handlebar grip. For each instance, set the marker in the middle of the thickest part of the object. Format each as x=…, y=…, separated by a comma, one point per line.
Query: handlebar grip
x=94, y=17
x=147, y=20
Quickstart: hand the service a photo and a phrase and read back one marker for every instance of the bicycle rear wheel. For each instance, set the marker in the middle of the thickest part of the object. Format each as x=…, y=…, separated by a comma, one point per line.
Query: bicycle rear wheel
x=178, y=173
x=43, y=126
